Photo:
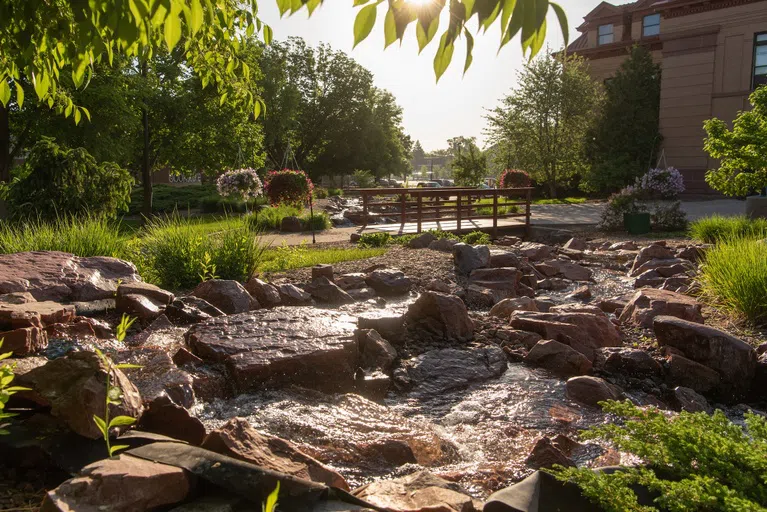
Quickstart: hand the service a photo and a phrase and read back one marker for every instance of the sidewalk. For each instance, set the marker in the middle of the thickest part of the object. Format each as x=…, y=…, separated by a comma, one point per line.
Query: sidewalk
x=553, y=215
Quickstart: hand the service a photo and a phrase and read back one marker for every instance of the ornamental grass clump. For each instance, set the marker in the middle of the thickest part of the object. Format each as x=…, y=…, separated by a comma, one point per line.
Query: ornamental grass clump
x=690, y=461
x=174, y=251
x=288, y=187
x=733, y=277
x=712, y=229
x=84, y=235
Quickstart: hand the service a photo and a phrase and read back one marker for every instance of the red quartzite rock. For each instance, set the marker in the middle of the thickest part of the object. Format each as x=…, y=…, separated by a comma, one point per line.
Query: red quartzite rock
x=239, y=440
x=282, y=346
x=121, y=484
x=58, y=276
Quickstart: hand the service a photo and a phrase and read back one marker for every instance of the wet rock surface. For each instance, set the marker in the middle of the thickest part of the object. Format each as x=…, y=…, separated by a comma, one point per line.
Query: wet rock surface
x=281, y=346
x=443, y=370
x=440, y=387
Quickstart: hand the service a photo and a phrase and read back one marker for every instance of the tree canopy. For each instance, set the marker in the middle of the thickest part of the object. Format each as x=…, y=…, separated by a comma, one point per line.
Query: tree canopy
x=740, y=150
x=623, y=142
x=469, y=164
x=325, y=110
x=540, y=126
x=43, y=40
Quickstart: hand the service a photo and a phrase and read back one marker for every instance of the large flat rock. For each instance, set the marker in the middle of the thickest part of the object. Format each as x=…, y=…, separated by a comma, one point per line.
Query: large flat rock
x=310, y=347
x=59, y=276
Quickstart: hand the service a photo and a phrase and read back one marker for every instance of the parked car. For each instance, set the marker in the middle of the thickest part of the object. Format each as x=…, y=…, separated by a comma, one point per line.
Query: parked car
x=429, y=184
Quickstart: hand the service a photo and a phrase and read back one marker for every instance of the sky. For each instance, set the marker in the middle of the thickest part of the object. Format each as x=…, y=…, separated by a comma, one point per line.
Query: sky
x=433, y=112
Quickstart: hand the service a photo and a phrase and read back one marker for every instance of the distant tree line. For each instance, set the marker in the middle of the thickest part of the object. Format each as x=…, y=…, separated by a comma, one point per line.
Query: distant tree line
x=323, y=114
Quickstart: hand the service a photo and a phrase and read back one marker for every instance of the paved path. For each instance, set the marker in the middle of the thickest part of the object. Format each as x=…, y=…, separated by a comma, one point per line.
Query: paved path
x=586, y=214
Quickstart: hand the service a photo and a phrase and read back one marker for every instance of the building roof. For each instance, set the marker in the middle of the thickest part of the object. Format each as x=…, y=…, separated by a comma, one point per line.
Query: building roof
x=581, y=43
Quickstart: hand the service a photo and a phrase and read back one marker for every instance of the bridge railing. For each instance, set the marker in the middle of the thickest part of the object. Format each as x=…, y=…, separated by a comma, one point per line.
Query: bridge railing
x=459, y=204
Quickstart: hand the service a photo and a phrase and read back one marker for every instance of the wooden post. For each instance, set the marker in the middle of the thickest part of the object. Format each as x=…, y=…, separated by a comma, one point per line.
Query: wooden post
x=420, y=211
x=495, y=213
x=527, y=211
x=458, y=214
x=403, y=208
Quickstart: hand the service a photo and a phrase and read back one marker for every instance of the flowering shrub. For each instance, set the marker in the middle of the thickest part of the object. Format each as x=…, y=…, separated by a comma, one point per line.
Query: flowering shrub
x=662, y=183
x=619, y=203
x=514, y=178
x=288, y=186
x=241, y=184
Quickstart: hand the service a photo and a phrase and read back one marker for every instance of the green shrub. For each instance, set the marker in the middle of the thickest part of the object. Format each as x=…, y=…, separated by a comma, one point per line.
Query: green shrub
x=82, y=236
x=169, y=198
x=173, y=251
x=320, y=193
x=318, y=222
x=715, y=228
x=476, y=238
x=375, y=239
x=56, y=181
x=289, y=257
x=734, y=277
x=268, y=219
x=669, y=218
x=335, y=192
x=692, y=461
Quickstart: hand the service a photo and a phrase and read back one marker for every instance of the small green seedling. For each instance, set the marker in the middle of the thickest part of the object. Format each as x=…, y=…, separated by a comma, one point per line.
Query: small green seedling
x=270, y=505
x=114, y=393
x=6, y=390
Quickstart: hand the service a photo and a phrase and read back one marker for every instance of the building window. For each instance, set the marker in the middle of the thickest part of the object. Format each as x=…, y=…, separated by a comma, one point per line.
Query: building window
x=760, y=60
x=605, y=34
x=651, y=25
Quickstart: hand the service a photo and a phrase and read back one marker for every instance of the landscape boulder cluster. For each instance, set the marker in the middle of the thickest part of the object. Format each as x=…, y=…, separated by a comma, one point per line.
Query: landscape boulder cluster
x=348, y=343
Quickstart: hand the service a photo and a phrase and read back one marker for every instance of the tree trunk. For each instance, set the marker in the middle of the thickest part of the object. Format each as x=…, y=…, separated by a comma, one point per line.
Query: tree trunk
x=146, y=170
x=552, y=189
x=5, y=145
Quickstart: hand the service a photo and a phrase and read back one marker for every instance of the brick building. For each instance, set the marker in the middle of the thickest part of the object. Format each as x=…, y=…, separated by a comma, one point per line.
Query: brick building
x=712, y=53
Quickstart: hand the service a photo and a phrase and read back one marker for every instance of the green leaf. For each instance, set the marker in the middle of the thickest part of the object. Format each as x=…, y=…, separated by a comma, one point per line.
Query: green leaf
x=469, y=50
x=16, y=389
x=196, y=16
x=562, y=17
x=364, y=22
x=78, y=115
x=121, y=421
x=172, y=29
x=423, y=36
x=19, y=94
x=444, y=55
x=101, y=424
x=271, y=501
x=113, y=449
x=5, y=92
x=268, y=34
x=390, y=28
x=124, y=366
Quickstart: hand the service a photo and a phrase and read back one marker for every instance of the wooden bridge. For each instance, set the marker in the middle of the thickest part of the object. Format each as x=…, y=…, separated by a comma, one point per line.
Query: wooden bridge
x=453, y=209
